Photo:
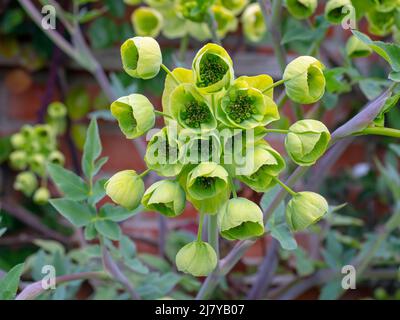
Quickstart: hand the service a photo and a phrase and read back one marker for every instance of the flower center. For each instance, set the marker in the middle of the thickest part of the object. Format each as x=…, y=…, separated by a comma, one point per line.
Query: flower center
x=240, y=109
x=195, y=114
x=212, y=70
x=205, y=182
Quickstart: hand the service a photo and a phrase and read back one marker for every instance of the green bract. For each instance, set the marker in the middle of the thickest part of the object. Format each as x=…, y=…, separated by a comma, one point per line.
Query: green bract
x=355, y=48
x=141, y=57
x=26, y=182
x=135, y=115
x=380, y=23
x=304, y=80
x=125, y=188
x=305, y=209
x=162, y=154
x=336, y=10
x=245, y=105
x=240, y=219
x=253, y=23
x=147, y=22
x=166, y=197
x=267, y=164
x=41, y=196
x=301, y=9
x=197, y=258
x=212, y=69
x=307, y=141
x=190, y=109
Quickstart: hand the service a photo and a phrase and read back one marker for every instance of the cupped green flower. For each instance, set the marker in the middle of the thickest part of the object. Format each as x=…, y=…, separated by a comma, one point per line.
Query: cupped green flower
x=44, y=136
x=267, y=165
x=235, y=6
x=199, y=147
x=135, y=115
x=301, y=9
x=380, y=23
x=190, y=109
x=56, y=157
x=57, y=110
x=166, y=197
x=193, y=10
x=253, y=23
x=386, y=5
x=198, y=30
x=225, y=19
x=207, y=187
x=305, y=209
x=212, y=69
x=18, y=140
x=163, y=152
x=174, y=25
x=197, y=258
x=307, y=141
x=304, y=80
x=141, y=57
x=37, y=164
x=147, y=22
x=18, y=160
x=336, y=10
x=355, y=48
x=240, y=219
x=26, y=182
x=125, y=188
x=41, y=196
x=245, y=105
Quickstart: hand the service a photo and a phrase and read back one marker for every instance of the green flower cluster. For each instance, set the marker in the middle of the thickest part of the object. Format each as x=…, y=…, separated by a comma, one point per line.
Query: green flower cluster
x=213, y=138
x=33, y=148
x=178, y=18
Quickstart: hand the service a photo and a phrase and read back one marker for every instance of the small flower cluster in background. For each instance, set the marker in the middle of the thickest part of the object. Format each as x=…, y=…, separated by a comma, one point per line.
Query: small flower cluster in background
x=33, y=148
x=199, y=104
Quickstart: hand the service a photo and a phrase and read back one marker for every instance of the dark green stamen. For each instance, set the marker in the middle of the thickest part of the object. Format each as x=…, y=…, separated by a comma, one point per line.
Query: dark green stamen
x=212, y=70
x=205, y=182
x=240, y=109
x=195, y=114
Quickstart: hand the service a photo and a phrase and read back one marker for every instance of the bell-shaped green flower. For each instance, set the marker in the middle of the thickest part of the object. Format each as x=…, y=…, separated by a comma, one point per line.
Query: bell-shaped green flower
x=355, y=48
x=147, y=22
x=240, y=219
x=141, y=57
x=37, y=164
x=212, y=69
x=193, y=10
x=198, y=30
x=207, y=187
x=56, y=157
x=336, y=10
x=386, y=5
x=380, y=23
x=225, y=19
x=125, y=188
x=18, y=160
x=190, y=109
x=307, y=141
x=235, y=6
x=301, y=9
x=163, y=153
x=44, y=137
x=196, y=148
x=174, y=25
x=166, y=197
x=26, y=182
x=267, y=164
x=305, y=209
x=245, y=105
x=253, y=23
x=304, y=80
x=57, y=110
x=135, y=115
x=41, y=196
x=18, y=140
x=197, y=258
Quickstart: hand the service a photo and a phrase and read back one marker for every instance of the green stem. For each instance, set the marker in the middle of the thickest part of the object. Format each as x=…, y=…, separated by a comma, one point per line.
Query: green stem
x=200, y=229
x=389, y=132
x=233, y=187
x=213, y=26
x=162, y=114
x=212, y=230
x=165, y=68
x=144, y=173
x=275, y=84
x=282, y=131
x=284, y=186
x=183, y=48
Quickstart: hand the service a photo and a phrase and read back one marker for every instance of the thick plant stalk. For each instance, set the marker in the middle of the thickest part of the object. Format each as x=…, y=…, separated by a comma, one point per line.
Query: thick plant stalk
x=355, y=124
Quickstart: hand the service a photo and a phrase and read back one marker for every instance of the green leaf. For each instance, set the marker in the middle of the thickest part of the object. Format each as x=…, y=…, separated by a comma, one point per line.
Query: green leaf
x=102, y=33
x=394, y=76
x=268, y=197
x=137, y=266
x=71, y=185
x=5, y=148
x=279, y=230
x=372, y=87
x=116, y=7
x=9, y=283
x=389, y=104
x=90, y=232
x=109, y=229
x=304, y=265
x=98, y=192
x=78, y=103
x=50, y=246
x=116, y=213
x=127, y=248
x=331, y=291
x=91, y=150
x=77, y=213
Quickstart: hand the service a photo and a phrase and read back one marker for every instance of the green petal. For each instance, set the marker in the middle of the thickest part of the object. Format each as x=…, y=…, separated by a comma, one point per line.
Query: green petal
x=335, y=10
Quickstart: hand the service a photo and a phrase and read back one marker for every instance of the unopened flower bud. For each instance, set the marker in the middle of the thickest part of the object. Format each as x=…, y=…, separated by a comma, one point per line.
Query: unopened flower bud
x=41, y=196
x=26, y=182
x=18, y=160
